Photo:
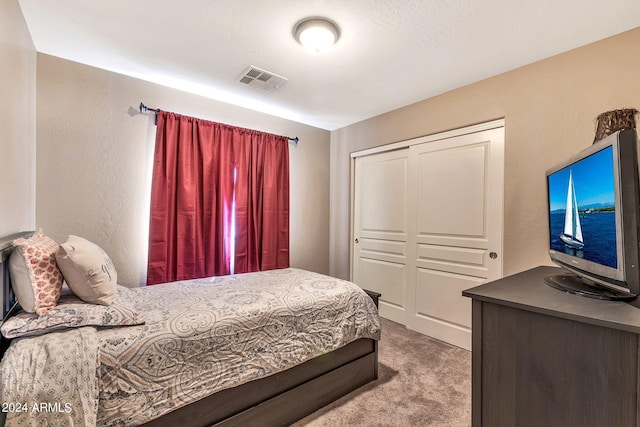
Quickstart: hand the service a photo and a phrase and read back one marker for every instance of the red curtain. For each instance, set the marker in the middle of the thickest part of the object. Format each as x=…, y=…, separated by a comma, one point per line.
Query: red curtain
x=200, y=169
x=262, y=205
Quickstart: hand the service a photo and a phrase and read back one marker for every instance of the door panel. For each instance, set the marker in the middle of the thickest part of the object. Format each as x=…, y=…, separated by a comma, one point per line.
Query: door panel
x=385, y=250
x=380, y=229
x=439, y=298
x=382, y=181
x=389, y=279
x=444, y=328
x=457, y=225
x=451, y=191
x=468, y=261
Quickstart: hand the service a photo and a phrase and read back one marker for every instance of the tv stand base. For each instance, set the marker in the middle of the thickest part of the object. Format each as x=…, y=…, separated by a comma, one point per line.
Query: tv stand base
x=574, y=284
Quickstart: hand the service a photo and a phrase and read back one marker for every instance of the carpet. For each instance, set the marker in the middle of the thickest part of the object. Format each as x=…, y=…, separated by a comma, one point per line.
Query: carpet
x=422, y=382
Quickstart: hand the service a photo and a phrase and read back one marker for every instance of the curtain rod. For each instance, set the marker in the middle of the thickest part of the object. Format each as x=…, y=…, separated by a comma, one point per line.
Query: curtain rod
x=144, y=109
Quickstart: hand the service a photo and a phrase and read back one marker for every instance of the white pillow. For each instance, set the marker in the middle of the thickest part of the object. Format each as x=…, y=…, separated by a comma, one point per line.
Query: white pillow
x=88, y=270
x=35, y=277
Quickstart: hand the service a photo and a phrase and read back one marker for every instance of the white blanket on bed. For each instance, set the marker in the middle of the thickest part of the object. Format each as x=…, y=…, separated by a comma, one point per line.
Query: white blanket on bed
x=51, y=380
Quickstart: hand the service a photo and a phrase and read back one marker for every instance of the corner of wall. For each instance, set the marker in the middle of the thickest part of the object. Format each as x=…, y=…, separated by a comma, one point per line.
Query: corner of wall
x=18, y=121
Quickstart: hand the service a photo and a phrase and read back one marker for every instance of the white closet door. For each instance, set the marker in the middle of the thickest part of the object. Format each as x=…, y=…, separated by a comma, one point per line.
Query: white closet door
x=427, y=224
x=381, y=229
x=455, y=234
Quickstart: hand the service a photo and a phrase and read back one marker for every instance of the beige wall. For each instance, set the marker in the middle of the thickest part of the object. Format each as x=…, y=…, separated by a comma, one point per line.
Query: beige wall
x=93, y=162
x=550, y=109
x=17, y=121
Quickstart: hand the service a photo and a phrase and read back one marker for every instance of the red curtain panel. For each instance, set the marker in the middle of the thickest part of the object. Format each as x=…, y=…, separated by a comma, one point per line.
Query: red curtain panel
x=201, y=168
x=262, y=204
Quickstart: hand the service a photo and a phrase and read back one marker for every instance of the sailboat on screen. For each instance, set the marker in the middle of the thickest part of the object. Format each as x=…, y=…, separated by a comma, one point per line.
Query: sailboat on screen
x=572, y=234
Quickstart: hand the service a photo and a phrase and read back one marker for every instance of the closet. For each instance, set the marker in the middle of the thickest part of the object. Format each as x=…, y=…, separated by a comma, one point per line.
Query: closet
x=427, y=224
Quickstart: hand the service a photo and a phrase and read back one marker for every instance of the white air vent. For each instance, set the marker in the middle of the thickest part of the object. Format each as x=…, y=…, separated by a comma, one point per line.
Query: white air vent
x=261, y=79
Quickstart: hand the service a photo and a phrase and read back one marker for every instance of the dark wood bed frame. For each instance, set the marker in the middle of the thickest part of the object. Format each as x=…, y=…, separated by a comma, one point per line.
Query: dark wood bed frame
x=277, y=400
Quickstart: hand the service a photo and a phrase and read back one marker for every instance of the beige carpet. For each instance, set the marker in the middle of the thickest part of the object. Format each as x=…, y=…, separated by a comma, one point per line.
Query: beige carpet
x=422, y=382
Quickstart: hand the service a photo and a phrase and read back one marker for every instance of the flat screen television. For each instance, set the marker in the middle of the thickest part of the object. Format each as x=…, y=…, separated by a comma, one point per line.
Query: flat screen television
x=593, y=219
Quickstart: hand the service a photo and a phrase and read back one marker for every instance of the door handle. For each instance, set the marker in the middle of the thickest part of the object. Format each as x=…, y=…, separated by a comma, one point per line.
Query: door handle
x=493, y=255
x=357, y=241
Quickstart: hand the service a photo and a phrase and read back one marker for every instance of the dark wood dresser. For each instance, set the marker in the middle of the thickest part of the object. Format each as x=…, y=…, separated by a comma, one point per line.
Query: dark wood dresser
x=543, y=357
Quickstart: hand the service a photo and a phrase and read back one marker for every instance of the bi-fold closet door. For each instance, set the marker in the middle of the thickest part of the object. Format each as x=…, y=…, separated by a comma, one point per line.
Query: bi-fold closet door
x=427, y=224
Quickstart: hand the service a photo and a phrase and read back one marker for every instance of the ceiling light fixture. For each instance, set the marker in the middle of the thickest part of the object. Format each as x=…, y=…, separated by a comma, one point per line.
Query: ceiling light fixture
x=316, y=34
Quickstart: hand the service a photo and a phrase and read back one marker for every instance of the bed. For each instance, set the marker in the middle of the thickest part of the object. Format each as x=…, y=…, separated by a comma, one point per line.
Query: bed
x=186, y=356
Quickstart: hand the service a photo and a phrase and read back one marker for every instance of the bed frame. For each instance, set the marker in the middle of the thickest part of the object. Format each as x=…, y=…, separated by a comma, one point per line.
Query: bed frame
x=279, y=399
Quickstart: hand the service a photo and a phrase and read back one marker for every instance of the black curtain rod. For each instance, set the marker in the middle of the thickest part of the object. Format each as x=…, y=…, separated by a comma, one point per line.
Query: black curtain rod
x=144, y=109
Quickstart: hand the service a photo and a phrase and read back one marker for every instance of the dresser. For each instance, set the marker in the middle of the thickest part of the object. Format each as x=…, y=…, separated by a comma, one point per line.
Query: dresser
x=543, y=357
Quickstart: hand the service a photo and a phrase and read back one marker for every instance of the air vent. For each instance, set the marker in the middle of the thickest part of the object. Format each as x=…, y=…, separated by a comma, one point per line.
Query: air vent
x=261, y=79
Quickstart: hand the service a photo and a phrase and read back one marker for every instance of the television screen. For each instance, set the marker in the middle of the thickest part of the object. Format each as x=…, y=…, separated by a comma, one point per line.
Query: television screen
x=583, y=210
x=594, y=216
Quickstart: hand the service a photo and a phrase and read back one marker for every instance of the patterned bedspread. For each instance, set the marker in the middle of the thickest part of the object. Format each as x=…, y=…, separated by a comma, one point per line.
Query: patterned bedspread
x=51, y=380
x=206, y=335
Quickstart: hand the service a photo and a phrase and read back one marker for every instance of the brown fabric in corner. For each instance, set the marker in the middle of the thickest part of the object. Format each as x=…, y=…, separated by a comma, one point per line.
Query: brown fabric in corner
x=613, y=121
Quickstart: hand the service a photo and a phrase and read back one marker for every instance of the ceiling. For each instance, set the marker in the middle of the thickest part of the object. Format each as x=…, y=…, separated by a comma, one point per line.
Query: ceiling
x=391, y=53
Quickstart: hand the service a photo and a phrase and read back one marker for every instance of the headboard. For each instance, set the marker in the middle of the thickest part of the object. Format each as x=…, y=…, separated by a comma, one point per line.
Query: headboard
x=6, y=293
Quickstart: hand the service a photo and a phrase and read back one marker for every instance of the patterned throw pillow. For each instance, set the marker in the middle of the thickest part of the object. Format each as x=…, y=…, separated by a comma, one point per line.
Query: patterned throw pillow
x=72, y=312
x=35, y=276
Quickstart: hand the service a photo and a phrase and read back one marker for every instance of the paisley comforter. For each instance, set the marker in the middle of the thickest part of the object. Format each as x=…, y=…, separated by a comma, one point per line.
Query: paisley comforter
x=206, y=335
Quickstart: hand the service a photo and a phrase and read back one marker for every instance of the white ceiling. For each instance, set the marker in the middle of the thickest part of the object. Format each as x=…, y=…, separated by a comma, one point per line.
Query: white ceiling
x=391, y=53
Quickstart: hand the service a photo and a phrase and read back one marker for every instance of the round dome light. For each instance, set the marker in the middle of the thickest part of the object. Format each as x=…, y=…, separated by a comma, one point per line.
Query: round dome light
x=316, y=34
